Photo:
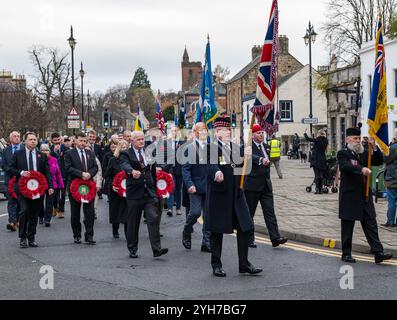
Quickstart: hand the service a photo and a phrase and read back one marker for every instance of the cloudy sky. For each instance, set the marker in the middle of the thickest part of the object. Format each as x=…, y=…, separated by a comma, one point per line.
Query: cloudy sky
x=114, y=37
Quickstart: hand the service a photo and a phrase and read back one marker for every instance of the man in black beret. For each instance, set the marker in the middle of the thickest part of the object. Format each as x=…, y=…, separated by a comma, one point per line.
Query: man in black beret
x=226, y=206
x=353, y=205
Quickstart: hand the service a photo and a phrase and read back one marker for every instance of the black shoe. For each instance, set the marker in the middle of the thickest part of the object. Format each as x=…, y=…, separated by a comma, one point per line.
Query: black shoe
x=23, y=244
x=95, y=216
x=33, y=244
x=116, y=235
x=41, y=221
x=186, y=240
x=47, y=224
x=160, y=252
x=133, y=254
x=252, y=245
x=218, y=272
x=250, y=270
x=380, y=257
x=90, y=241
x=100, y=197
x=348, y=259
x=388, y=225
x=169, y=213
x=205, y=248
x=77, y=240
x=161, y=235
x=279, y=241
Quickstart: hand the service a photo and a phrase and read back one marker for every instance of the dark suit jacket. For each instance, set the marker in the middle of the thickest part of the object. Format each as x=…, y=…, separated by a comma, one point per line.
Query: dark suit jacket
x=7, y=156
x=74, y=167
x=224, y=200
x=258, y=180
x=352, y=184
x=194, y=172
x=19, y=163
x=136, y=187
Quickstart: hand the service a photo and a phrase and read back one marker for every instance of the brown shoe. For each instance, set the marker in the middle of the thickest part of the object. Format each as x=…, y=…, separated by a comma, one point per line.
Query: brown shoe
x=178, y=212
x=60, y=215
x=54, y=212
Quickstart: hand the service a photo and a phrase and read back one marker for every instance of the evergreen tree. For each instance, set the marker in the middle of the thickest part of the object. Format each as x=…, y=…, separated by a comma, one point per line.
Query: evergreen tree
x=140, y=80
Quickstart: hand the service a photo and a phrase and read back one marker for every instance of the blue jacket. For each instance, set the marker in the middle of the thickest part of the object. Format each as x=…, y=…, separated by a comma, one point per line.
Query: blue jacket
x=7, y=156
x=194, y=173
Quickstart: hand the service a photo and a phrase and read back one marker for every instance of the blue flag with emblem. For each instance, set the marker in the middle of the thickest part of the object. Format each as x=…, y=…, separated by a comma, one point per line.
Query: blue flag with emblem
x=378, y=112
x=207, y=110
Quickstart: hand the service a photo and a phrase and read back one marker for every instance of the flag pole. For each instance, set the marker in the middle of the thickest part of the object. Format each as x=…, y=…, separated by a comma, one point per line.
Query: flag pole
x=368, y=179
x=245, y=156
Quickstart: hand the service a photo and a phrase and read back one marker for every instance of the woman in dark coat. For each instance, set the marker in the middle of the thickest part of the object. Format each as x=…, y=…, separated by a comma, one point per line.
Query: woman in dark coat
x=318, y=160
x=117, y=204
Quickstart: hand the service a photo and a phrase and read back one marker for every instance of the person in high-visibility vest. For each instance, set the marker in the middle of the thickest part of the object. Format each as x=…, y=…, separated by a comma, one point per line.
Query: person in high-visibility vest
x=275, y=155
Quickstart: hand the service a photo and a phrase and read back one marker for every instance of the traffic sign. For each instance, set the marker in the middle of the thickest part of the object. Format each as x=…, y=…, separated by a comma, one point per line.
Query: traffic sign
x=73, y=112
x=74, y=124
x=310, y=121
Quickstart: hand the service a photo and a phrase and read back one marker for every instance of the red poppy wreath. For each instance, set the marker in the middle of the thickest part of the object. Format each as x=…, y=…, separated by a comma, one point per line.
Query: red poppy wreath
x=11, y=185
x=34, y=186
x=83, y=191
x=165, y=184
x=119, y=182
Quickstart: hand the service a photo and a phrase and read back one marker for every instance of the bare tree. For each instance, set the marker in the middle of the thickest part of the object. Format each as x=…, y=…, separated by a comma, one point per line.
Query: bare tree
x=52, y=87
x=351, y=23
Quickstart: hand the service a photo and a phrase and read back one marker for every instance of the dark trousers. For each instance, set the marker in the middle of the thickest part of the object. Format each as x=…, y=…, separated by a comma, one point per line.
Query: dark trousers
x=370, y=229
x=197, y=203
x=116, y=226
x=216, y=240
x=59, y=199
x=319, y=178
x=12, y=208
x=89, y=211
x=46, y=211
x=150, y=208
x=28, y=217
x=176, y=196
x=267, y=203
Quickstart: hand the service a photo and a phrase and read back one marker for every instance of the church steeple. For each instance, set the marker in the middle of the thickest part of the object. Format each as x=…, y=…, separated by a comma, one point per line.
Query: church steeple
x=185, y=56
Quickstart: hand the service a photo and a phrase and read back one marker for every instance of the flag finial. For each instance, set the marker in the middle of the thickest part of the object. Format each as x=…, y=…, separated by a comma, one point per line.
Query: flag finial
x=208, y=37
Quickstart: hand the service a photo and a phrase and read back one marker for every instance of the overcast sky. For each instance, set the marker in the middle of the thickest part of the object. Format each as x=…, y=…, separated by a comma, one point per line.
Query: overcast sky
x=114, y=37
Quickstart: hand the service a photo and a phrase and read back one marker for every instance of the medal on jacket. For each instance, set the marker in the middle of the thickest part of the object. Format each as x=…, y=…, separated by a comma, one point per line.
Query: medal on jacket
x=222, y=160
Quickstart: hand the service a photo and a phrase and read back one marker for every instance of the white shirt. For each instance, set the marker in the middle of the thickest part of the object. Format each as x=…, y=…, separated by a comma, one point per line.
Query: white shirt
x=264, y=151
x=142, y=153
x=202, y=144
x=34, y=158
x=85, y=156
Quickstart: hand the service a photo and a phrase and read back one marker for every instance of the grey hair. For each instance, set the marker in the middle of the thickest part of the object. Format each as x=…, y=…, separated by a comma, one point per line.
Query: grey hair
x=45, y=147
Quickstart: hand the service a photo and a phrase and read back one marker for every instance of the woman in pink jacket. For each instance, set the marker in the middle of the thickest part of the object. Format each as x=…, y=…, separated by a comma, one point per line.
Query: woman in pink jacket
x=57, y=182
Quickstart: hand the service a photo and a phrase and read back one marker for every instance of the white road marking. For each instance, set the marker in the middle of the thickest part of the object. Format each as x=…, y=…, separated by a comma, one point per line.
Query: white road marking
x=4, y=215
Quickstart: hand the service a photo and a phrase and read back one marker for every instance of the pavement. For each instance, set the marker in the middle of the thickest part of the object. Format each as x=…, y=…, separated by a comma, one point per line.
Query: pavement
x=310, y=218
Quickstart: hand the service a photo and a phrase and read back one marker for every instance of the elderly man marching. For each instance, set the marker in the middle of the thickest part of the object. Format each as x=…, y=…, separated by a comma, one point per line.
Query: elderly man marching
x=226, y=207
x=353, y=206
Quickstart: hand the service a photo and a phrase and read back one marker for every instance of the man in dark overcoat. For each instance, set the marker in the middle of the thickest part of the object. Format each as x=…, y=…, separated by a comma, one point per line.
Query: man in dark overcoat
x=226, y=207
x=353, y=205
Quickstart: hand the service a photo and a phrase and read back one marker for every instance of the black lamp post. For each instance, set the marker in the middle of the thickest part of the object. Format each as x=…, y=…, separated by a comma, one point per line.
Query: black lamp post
x=72, y=44
x=309, y=38
x=88, y=107
x=82, y=97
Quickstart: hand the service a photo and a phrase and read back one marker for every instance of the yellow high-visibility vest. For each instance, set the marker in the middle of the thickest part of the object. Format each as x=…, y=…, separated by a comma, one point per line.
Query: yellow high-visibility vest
x=275, y=149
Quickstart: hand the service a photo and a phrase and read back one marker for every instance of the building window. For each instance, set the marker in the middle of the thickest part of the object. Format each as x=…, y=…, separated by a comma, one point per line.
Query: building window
x=114, y=123
x=370, y=85
x=343, y=130
x=333, y=133
x=286, y=112
x=395, y=83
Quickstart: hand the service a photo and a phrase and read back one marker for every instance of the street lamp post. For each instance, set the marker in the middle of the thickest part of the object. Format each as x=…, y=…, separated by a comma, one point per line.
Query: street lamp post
x=310, y=38
x=82, y=97
x=88, y=107
x=72, y=44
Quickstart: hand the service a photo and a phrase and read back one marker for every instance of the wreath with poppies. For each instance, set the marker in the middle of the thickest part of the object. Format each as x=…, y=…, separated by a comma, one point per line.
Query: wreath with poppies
x=11, y=190
x=119, y=182
x=83, y=191
x=165, y=184
x=34, y=186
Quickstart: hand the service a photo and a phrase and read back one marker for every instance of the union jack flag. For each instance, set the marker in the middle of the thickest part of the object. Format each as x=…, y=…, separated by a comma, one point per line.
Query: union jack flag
x=159, y=113
x=264, y=108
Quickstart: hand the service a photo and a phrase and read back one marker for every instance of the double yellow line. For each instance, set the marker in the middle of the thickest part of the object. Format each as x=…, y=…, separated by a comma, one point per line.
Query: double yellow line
x=324, y=252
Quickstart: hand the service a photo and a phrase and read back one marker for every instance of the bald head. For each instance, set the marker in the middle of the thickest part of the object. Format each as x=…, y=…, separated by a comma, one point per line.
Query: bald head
x=200, y=131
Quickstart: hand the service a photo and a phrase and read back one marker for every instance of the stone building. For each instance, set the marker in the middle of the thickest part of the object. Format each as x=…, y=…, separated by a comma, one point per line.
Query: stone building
x=342, y=87
x=245, y=81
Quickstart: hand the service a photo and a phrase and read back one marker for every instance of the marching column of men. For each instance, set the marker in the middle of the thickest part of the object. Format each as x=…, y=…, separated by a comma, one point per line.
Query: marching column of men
x=210, y=173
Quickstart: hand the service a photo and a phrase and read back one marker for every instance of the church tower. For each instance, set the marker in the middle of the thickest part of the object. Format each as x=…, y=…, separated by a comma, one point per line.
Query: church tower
x=191, y=72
